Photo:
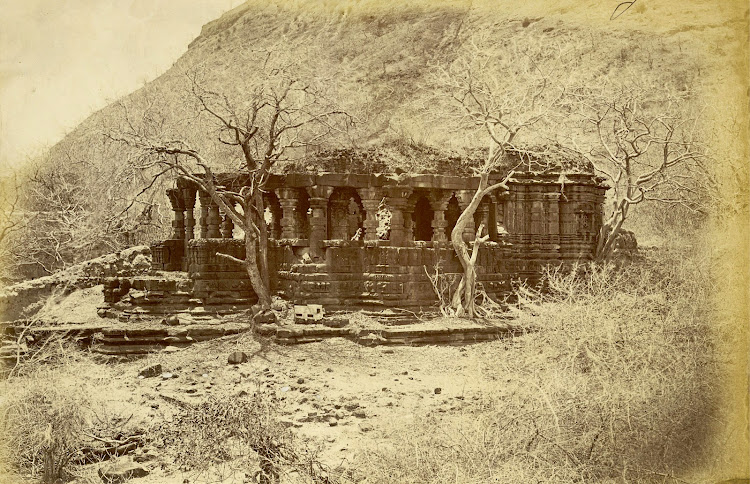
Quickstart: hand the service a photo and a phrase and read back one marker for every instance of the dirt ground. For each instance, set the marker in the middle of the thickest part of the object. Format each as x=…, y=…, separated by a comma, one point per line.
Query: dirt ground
x=335, y=394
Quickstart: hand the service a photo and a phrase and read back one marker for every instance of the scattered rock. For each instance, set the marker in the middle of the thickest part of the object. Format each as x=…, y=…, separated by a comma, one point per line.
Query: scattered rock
x=171, y=349
x=166, y=376
x=300, y=381
x=290, y=423
x=237, y=358
x=121, y=472
x=172, y=320
x=438, y=391
x=364, y=427
x=102, y=313
x=332, y=421
x=359, y=413
x=150, y=371
x=265, y=317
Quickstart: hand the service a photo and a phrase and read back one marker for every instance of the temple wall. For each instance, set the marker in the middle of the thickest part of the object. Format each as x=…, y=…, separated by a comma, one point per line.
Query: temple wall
x=328, y=245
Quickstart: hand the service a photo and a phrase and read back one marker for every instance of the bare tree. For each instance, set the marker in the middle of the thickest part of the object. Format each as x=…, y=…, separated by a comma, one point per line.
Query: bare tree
x=648, y=149
x=284, y=112
x=11, y=218
x=502, y=90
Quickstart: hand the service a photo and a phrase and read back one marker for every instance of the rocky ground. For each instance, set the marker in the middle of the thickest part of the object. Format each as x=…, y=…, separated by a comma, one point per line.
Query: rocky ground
x=336, y=396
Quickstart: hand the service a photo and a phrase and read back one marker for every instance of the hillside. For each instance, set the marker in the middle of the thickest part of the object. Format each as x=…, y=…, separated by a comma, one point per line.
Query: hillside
x=377, y=57
x=379, y=62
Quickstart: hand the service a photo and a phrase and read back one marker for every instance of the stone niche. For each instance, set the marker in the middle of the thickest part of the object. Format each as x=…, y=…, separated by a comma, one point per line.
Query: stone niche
x=327, y=245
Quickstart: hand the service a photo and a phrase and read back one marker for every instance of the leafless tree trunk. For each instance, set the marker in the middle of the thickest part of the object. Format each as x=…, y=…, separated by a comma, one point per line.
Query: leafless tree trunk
x=283, y=112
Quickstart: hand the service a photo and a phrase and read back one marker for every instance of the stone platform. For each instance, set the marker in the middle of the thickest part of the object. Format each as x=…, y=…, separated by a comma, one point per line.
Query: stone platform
x=117, y=338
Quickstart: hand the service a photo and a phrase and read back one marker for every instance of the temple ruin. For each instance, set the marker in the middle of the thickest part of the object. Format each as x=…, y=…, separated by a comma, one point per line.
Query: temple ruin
x=369, y=240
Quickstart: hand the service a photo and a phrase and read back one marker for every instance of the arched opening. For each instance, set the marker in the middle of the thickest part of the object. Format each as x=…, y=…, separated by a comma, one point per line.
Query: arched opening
x=422, y=218
x=272, y=215
x=345, y=213
x=452, y=212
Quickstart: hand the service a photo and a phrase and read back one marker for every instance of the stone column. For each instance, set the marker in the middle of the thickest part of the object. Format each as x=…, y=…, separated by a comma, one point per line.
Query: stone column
x=289, y=199
x=397, y=202
x=464, y=198
x=205, y=199
x=409, y=224
x=178, y=206
x=227, y=227
x=188, y=195
x=535, y=199
x=483, y=211
x=439, y=203
x=552, y=200
x=319, y=220
x=213, y=221
x=371, y=198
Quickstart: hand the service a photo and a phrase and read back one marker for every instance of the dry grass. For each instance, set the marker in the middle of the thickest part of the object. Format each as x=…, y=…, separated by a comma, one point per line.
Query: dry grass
x=619, y=383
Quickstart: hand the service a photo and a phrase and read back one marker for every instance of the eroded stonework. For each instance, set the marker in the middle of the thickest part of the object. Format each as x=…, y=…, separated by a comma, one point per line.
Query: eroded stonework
x=328, y=243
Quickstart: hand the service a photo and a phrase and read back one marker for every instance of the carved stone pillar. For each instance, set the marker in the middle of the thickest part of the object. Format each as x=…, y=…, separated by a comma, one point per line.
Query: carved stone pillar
x=288, y=199
x=213, y=221
x=552, y=200
x=371, y=198
x=439, y=203
x=536, y=204
x=319, y=219
x=397, y=202
x=483, y=216
x=205, y=199
x=464, y=197
x=178, y=206
x=188, y=195
x=227, y=227
x=409, y=224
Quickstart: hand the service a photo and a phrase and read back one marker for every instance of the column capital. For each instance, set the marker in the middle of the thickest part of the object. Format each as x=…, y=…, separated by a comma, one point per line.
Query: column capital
x=439, y=199
x=286, y=193
x=370, y=193
x=175, y=198
x=398, y=193
x=319, y=191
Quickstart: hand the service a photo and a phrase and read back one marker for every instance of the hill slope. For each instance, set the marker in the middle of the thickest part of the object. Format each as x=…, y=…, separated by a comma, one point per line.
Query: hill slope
x=377, y=61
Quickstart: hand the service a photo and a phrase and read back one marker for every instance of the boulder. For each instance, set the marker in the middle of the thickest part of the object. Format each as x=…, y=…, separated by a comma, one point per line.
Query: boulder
x=237, y=358
x=150, y=371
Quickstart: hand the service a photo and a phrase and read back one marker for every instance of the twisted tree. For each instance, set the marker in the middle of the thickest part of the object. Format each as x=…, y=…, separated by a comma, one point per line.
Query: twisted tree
x=283, y=113
x=501, y=89
x=647, y=147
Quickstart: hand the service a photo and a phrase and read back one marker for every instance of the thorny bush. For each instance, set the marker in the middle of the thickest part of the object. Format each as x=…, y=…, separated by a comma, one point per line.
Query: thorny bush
x=616, y=382
x=238, y=433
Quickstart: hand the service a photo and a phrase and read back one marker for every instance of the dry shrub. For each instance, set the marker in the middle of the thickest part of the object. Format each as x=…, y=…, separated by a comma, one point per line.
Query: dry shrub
x=52, y=420
x=44, y=417
x=618, y=383
x=232, y=434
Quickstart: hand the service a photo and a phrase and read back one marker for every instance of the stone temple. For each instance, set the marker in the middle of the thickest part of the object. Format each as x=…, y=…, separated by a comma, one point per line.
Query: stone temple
x=369, y=240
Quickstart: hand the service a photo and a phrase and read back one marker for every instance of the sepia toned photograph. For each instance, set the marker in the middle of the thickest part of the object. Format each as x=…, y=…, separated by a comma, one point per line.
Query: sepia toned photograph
x=374, y=242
